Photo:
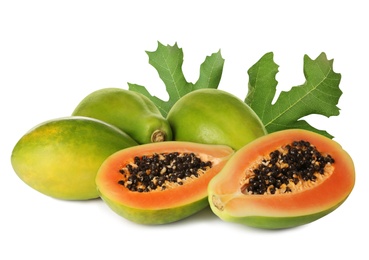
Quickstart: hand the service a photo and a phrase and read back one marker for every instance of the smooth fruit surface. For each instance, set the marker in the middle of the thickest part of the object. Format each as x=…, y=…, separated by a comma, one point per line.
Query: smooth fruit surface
x=161, y=205
x=60, y=157
x=213, y=116
x=303, y=203
x=130, y=111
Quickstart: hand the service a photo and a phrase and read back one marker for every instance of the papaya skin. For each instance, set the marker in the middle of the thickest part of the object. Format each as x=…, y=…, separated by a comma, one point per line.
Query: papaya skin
x=156, y=217
x=159, y=206
x=284, y=210
x=130, y=111
x=274, y=222
x=213, y=116
x=60, y=157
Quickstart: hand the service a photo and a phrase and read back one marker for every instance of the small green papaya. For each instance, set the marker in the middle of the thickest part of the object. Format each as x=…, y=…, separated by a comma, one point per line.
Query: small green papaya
x=130, y=111
x=214, y=116
x=60, y=157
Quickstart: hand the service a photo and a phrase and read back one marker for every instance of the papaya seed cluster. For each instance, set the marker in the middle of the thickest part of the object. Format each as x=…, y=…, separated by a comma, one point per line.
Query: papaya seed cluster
x=161, y=171
x=295, y=166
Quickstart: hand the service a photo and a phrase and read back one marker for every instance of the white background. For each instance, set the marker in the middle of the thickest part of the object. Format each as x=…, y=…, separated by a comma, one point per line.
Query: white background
x=54, y=53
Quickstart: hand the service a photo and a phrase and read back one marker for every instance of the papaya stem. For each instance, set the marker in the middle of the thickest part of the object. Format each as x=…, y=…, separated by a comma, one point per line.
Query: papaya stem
x=158, y=136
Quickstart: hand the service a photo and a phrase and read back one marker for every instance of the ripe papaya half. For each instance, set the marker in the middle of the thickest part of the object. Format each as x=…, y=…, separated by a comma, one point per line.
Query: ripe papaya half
x=214, y=116
x=130, y=111
x=282, y=180
x=60, y=157
x=159, y=183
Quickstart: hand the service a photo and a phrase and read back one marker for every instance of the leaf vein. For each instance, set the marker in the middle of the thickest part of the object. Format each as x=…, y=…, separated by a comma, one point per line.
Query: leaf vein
x=295, y=103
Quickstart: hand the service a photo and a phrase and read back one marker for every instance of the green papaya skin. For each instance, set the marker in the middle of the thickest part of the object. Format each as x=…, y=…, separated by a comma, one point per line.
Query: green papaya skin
x=130, y=111
x=214, y=116
x=157, y=217
x=60, y=157
x=274, y=223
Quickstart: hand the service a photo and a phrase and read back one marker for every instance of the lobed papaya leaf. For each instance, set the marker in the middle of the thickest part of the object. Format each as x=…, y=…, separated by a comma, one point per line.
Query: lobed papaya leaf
x=168, y=61
x=318, y=95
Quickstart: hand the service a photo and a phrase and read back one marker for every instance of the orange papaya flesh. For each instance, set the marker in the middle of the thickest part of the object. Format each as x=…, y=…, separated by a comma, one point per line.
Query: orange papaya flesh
x=307, y=200
x=154, y=197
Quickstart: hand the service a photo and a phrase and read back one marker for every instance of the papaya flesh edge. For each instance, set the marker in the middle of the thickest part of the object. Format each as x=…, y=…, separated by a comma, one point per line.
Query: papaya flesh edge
x=164, y=206
x=277, y=211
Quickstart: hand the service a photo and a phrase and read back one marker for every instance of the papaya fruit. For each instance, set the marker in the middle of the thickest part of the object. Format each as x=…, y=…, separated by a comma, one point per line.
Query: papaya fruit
x=159, y=183
x=60, y=157
x=213, y=116
x=283, y=180
x=130, y=111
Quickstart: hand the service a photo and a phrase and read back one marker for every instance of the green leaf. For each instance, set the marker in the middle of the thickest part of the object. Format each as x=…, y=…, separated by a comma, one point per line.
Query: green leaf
x=318, y=95
x=168, y=61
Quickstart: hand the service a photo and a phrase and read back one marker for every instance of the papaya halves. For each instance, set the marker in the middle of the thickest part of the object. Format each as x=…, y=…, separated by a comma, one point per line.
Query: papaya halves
x=281, y=180
x=162, y=182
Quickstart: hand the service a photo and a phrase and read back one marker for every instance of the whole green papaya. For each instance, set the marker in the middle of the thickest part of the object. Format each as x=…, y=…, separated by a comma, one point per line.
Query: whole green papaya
x=214, y=116
x=60, y=157
x=130, y=111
